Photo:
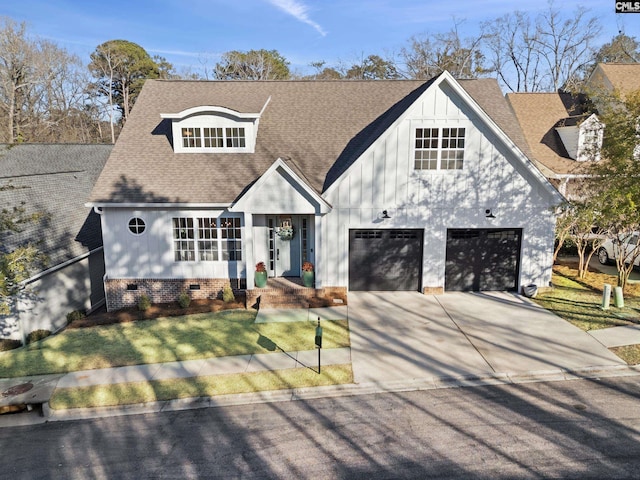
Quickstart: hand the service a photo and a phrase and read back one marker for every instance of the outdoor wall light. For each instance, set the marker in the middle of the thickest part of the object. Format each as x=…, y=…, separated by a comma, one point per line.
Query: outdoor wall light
x=385, y=215
x=488, y=213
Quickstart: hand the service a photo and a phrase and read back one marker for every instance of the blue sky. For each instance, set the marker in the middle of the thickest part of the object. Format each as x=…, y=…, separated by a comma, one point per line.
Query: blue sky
x=193, y=33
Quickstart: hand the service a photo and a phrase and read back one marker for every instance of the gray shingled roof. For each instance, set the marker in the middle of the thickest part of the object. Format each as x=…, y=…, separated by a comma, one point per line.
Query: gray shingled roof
x=320, y=126
x=538, y=115
x=55, y=180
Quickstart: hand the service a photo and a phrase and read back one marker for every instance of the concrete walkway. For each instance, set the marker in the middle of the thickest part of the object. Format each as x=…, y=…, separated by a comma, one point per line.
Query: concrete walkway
x=617, y=336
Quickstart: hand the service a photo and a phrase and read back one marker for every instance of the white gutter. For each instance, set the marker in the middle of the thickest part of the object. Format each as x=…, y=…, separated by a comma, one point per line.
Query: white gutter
x=155, y=205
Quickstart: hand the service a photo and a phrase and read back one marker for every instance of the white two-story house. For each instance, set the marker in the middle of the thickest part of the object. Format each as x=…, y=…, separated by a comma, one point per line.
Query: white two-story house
x=382, y=185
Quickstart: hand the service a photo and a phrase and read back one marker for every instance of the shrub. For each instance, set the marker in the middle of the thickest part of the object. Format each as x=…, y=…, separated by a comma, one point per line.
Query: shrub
x=227, y=294
x=184, y=300
x=144, y=302
x=9, y=344
x=37, y=335
x=75, y=315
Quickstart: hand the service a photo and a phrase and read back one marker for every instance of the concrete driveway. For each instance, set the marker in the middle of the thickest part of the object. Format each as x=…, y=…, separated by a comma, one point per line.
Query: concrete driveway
x=399, y=336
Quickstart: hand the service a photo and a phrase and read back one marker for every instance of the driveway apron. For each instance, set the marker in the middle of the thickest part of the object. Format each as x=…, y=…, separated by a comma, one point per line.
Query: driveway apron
x=404, y=336
x=407, y=335
x=516, y=335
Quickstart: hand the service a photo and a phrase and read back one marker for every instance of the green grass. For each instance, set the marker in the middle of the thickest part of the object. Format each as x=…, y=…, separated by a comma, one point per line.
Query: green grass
x=142, y=392
x=581, y=305
x=628, y=353
x=579, y=302
x=230, y=332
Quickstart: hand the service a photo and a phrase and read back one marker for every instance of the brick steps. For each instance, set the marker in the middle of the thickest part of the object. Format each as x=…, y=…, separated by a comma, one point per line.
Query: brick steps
x=283, y=297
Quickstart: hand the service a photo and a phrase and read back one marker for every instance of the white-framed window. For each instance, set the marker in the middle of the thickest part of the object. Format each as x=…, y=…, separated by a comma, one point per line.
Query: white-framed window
x=213, y=137
x=231, y=236
x=184, y=246
x=191, y=138
x=207, y=239
x=439, y=148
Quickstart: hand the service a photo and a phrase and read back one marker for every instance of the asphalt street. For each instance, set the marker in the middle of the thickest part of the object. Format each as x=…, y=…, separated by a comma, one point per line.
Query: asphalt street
x=570, y=429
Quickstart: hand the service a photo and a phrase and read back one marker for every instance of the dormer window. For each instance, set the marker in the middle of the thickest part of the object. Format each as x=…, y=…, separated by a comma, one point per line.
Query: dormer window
x=212, y=129
x=581, y=139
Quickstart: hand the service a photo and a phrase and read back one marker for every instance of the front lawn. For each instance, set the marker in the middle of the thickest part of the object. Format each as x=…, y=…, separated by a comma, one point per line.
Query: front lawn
x=579, y=302
x=230, y=332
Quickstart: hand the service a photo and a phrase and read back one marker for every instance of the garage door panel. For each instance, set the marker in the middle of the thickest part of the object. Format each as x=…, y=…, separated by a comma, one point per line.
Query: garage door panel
x=482, y=259
x=385, y=259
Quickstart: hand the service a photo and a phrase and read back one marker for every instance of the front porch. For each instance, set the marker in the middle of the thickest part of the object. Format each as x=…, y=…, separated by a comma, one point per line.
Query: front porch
x=289, y=292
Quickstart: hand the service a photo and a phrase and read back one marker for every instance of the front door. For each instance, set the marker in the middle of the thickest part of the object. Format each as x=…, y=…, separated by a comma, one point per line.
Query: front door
x=284, y=252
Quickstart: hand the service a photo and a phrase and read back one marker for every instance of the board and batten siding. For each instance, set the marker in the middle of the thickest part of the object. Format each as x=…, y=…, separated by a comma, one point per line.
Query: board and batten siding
x=151, y=255
x=493, y=177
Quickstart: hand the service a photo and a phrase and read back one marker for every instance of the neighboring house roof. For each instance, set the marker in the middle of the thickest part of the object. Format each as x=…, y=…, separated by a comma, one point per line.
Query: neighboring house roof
x=319, y=127
x=538, y=115
x=55, y=180
x=624, y=77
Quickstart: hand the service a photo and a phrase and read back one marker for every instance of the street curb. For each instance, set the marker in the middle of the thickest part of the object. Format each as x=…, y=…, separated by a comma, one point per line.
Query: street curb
x=334, y=391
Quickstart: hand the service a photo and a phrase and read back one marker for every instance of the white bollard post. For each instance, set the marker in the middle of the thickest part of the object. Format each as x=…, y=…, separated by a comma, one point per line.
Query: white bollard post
x=618, y=297
x=606, y=296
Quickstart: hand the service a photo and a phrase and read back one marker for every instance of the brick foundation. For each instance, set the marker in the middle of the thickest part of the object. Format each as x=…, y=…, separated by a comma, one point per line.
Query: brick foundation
x=433, y=290
x=165, y=290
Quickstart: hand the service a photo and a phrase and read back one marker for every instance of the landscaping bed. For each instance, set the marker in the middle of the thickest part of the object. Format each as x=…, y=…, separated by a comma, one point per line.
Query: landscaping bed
x=156, y=310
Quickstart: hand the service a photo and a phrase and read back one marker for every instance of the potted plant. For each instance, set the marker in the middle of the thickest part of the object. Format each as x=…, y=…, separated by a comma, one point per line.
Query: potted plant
x=261, y=275
x=307, y=274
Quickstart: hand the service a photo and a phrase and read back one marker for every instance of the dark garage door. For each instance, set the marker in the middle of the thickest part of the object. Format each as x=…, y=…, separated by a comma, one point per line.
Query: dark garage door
x=482, y=259
x=385, y=259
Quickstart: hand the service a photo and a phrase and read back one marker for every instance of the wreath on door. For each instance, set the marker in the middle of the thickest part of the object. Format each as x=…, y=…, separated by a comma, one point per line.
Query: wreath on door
x=285, y=231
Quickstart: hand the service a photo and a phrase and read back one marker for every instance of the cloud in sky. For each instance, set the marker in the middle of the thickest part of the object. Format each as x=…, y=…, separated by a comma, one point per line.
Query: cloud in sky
x=299, y=11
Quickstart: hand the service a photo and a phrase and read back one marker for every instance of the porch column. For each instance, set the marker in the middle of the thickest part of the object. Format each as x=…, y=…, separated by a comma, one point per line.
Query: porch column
x=248, y=250
x=320, y=266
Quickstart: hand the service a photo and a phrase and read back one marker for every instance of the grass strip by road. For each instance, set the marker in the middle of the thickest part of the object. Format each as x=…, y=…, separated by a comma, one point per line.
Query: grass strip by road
x=207, y=335
x=159, y=390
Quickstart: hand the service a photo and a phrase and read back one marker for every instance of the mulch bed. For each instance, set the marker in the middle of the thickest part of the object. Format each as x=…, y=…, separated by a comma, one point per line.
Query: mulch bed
x=156, y=310
x=172, y=309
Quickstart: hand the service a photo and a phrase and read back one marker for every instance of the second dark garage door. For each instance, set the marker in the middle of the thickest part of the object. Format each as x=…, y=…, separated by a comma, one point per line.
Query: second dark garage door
x=381, y=259
x=482, y=259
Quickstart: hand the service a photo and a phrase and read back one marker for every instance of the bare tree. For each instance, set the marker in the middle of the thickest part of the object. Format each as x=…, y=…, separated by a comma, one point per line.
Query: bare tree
x=427, y=56
x=42, y=90
x=542, y=54
x=252, y=65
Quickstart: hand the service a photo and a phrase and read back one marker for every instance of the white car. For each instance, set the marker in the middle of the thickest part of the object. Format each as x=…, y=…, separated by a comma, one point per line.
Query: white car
x=606, y=252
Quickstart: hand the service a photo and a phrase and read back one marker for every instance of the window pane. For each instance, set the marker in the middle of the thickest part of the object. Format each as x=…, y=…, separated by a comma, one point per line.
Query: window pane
x=213, y=138
x=426, y=152
x=452, y=155
x=191, y=137
x=207, y=239
x=235, y=137
x=183, y=240
x=231, y=235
